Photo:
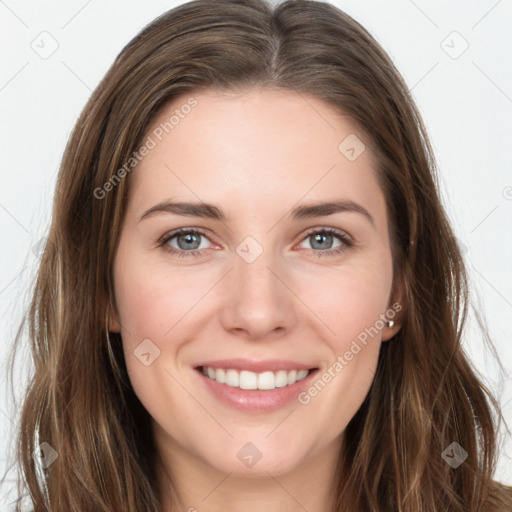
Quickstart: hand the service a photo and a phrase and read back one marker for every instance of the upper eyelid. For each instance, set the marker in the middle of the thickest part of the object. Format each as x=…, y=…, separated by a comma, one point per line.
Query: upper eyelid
x=174, y=233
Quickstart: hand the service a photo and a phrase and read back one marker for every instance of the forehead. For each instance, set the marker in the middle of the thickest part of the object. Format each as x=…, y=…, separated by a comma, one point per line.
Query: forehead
x=257, y=147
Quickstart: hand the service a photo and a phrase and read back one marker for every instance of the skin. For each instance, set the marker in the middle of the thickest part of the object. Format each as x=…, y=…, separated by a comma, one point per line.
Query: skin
x=256, y=155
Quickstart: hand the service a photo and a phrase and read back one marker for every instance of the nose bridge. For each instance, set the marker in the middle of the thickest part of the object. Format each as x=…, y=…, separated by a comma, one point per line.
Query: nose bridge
x=252, y=271
x=256, y=300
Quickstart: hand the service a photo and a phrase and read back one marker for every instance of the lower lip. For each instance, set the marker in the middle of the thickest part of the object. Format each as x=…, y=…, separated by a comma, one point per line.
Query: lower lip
x=256, y=400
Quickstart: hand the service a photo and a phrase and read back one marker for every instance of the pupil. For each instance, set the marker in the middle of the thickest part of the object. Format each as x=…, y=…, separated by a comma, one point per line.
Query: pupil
x=188, y=239
x=319, y=238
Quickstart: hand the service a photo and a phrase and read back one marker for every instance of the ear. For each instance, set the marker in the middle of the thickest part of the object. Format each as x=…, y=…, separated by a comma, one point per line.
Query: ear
x=113, y=320
x=396, y=309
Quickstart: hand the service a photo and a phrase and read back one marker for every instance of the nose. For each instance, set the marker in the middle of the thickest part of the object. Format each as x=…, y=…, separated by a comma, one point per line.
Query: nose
x=258, y=301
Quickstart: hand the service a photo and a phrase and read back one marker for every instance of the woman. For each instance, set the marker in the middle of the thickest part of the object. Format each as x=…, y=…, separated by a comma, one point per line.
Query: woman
x=256, y=368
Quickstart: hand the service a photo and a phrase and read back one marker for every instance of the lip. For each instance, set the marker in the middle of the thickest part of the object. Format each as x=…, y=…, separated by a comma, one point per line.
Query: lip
x=255, y=400
x=272, y=365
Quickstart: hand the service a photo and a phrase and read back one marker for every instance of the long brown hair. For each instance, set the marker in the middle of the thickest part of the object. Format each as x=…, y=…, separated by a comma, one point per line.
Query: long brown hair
x=425, y=395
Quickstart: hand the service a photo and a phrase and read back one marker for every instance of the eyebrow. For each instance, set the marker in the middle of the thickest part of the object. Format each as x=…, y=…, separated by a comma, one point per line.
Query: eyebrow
x=306, y=211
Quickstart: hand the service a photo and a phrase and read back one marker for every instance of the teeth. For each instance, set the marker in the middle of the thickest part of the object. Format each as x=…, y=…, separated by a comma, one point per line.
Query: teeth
x=250, y=380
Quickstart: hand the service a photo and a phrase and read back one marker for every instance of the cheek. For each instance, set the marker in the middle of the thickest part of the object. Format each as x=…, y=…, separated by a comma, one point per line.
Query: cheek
x=351, y=300
x=352, y=306
x=151, y=299
x=357, y=315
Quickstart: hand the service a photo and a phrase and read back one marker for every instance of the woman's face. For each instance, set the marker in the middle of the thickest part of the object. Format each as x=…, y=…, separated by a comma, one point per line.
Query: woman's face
x=254, y=283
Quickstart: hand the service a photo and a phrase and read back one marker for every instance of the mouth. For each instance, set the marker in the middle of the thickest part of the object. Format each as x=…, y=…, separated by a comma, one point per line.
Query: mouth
x=255, y=393
x=248, y=380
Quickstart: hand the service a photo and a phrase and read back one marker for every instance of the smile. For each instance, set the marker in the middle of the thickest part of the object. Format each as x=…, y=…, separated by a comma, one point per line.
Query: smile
x=248, y=380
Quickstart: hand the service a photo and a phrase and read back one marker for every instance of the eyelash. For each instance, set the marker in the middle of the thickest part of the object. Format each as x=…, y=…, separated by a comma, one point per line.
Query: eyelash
x=347, y=242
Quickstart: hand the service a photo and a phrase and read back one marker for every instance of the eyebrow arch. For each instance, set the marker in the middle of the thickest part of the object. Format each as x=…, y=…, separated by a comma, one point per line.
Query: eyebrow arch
x=210, y=211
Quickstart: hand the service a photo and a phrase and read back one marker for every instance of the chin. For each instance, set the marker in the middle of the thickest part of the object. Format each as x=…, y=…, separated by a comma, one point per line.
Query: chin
x=249, y=461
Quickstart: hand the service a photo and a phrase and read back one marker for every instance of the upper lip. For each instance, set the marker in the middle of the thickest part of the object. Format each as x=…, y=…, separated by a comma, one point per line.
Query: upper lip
x=256, y=366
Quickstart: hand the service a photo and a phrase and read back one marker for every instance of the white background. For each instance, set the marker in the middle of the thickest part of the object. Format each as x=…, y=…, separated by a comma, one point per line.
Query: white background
x=466, y=103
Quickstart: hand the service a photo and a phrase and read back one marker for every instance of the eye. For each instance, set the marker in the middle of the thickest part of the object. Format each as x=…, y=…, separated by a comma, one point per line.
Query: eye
x=185, y=239
x=323, y=239
x=188, y=242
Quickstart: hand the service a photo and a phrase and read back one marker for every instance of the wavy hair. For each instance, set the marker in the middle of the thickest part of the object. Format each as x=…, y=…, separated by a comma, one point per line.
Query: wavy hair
x=425, y=393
